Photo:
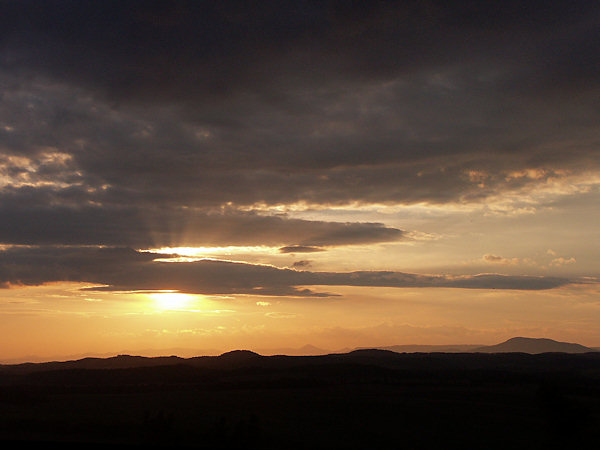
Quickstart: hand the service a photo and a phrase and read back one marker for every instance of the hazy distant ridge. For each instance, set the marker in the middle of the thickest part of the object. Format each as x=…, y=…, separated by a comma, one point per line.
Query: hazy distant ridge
x=513, y=345
x=241, y=357
x=533, y=346
x=429, y=348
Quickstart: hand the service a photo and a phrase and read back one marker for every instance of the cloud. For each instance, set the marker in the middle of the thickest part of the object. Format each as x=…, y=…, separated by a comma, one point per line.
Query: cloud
x=202, y=105
x=29, y=217
x=129, y=270
x=302, y=264
x=560, y=261
x=495, y=259
x=151, y=125
x=300, y=249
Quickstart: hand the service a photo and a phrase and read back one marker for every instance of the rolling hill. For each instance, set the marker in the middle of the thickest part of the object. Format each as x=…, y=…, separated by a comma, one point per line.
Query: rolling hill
x=533, y=346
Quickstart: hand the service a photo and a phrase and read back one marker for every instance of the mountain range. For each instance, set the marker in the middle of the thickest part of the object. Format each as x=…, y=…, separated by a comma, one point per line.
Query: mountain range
x=512, y=345
x=307, y=353
x=366, y=398
x=534, y=346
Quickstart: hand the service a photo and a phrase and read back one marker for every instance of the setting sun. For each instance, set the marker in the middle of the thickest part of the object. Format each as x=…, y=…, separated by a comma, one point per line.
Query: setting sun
x=172, y=300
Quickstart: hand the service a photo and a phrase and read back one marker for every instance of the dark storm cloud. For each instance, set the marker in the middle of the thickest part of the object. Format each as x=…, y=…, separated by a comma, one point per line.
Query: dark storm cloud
x=201, y=103
x=129, y=122
x=185, y=51
x=126, y=269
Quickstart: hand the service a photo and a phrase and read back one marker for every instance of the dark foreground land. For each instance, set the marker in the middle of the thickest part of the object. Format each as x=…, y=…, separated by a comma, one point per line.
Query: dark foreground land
x=363, y=399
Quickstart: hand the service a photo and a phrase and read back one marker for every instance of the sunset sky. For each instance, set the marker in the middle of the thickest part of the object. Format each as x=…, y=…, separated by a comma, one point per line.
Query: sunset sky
x=197, y=177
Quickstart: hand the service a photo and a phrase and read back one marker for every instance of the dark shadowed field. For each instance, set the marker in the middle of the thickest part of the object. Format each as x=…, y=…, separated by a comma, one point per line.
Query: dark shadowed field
x=363, y=399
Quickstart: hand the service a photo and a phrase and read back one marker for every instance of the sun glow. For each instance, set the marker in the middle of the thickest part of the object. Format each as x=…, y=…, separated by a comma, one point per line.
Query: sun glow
x=172, y=301
x=202, y=252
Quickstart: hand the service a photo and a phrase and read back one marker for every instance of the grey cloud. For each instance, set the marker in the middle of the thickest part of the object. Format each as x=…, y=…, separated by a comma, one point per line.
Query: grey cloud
x=126, y=269
x=481, y=281
x=300, y=249
x=185, y=51
x=198, y=105
x=30, y=217
x=302, y=264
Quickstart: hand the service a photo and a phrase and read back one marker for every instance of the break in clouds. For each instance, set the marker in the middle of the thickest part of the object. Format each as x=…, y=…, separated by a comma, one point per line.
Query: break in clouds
x=156, y=124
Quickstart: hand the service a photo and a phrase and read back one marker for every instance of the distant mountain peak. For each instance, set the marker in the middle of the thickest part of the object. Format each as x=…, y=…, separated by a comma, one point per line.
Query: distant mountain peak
x=309, y=347
x=522, y=344
x=529, y=339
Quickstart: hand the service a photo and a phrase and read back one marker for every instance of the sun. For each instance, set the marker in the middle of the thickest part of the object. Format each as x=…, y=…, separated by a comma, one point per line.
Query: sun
x=172, y=301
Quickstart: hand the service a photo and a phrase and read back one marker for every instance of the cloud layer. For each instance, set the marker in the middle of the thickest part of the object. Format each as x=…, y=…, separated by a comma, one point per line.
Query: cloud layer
x=196, y=104
x=28, y=221
x=130, y=270
x=173, y=124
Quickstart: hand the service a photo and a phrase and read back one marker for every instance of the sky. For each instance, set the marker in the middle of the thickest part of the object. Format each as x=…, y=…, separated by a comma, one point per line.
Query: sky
x=196, y=177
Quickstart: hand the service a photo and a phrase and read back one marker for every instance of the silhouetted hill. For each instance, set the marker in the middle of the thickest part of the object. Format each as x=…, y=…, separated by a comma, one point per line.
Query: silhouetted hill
x=239, y=355
x=229, y=360
x=384, y=357
x=114, y=362
x=242, y=360
x=368, y=398
x=533, y=346
x=513, y=345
